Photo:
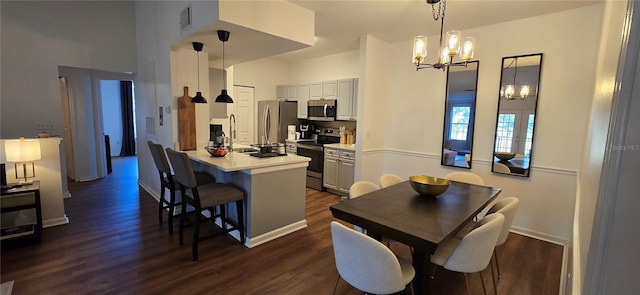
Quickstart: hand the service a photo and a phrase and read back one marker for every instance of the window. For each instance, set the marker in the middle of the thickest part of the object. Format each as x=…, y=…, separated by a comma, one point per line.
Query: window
x=529, y=139
x=459, y=122
x=504, y=132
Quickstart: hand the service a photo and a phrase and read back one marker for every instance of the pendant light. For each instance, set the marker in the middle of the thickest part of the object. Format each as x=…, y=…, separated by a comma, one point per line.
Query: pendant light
x=197, y=46
x=223, y=97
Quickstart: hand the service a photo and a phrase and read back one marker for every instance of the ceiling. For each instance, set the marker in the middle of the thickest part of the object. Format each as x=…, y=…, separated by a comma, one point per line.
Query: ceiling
x=340, y=23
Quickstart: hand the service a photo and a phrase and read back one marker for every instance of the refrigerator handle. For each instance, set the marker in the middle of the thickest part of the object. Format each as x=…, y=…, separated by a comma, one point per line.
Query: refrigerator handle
x=267, y=123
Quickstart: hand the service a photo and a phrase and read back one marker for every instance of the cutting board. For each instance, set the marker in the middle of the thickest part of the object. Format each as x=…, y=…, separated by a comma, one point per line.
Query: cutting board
x=186, y=122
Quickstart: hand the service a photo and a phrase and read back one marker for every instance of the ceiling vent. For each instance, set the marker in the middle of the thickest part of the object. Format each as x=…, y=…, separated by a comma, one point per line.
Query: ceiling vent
x=185, y=18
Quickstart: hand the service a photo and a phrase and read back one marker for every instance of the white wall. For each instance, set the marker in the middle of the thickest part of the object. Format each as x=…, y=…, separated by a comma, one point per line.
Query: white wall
x=414, y=113
x=332, y=67
x=37, y=37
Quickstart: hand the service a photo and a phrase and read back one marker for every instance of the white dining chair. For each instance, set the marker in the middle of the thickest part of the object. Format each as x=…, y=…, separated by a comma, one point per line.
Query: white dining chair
x=367, y=264
x=501, y=168
x=467, y=177
x=473, y=252
x=507, y=207
x=360, y=188
x=388, y=180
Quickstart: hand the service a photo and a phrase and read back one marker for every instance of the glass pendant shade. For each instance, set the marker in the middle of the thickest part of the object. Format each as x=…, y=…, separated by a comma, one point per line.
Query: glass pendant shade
x=419, y=49
x=509, y=91
x=444, y=56
x=467, y=48
x=524, y=91
x=453, y=42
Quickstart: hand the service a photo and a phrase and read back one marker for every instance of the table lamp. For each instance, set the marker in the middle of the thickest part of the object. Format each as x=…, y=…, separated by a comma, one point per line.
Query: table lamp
x=23, y=151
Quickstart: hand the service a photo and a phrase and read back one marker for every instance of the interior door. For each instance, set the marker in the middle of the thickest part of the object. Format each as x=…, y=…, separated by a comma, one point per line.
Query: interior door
x=244, y=100
x=66, y=120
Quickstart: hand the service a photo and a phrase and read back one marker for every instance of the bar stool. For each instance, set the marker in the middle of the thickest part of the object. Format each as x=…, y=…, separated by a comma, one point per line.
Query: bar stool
x=205, y=197
x=167, y=182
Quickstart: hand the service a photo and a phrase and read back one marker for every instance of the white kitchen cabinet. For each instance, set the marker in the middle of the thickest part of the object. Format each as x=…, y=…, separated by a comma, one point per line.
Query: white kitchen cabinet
x=292, y=92
x=287, y=92
x=330, y=89
x=303, y=97
x=282, y=92
x=339, y=169
x=347, y=97
x=315, y=90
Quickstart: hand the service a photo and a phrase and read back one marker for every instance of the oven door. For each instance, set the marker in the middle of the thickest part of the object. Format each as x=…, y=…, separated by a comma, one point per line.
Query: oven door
x=316, y=153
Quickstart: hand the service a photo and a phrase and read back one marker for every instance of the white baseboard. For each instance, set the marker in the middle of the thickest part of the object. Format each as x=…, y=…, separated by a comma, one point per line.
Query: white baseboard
x=55, y=222
x=272, y=235
x=66, y=195
x=540, y=236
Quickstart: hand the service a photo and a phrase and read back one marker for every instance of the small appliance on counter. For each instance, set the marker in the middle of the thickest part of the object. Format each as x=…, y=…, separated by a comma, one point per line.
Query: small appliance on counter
x=307, y=131
x=269, y=150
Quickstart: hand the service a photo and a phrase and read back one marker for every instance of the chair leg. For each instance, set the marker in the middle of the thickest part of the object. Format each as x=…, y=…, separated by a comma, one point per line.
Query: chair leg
x=240, y=214
x=433, y=271
x=495, y=254
x=161, y=204
x=336, y=286
x=183, y=215
x=484, y=290
x=466, y=284
x=196, y=233
x=172, y=204
x=223, y=216
x=493, y=279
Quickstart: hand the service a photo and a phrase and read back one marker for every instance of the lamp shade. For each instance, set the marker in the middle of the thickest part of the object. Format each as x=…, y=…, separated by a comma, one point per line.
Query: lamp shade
x=22, y=150
x=224, y=97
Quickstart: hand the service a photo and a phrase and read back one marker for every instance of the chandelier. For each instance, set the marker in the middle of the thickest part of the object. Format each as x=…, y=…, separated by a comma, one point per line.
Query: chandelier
x=450, y=48
x=509, y=91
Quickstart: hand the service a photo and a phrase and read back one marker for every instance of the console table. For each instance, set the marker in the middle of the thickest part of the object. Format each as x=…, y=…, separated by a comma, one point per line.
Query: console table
x=22, y=197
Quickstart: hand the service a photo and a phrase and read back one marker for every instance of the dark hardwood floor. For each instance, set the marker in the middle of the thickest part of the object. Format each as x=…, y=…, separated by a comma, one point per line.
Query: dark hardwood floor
x=114, y=245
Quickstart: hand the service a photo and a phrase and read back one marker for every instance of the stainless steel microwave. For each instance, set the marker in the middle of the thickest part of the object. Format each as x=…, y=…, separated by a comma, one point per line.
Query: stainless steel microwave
x=322, y=110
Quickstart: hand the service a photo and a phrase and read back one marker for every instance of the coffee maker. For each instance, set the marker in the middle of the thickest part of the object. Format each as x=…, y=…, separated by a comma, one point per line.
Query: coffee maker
x=216, y=135
x=306, y=131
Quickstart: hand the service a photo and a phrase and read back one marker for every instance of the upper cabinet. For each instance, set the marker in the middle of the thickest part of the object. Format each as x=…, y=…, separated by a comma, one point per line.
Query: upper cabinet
x=345, y=91
x=287, y=92
x=303, y=97
x=330, y=89
x=315, y=90
x=347, y=97
x=281, y=92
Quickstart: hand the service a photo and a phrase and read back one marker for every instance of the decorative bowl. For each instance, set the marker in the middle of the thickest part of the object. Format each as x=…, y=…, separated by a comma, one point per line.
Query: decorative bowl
x=428, y=185
x=216, y=151
x=504, y=156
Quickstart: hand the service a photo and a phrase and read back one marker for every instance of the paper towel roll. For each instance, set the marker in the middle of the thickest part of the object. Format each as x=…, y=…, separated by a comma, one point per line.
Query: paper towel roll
x=291, y=132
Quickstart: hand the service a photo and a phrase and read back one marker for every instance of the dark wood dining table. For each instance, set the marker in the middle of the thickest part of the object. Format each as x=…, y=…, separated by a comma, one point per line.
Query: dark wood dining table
x=399, y=213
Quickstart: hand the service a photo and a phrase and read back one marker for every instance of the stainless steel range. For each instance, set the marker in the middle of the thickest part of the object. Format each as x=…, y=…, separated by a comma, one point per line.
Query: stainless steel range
x=314, y=149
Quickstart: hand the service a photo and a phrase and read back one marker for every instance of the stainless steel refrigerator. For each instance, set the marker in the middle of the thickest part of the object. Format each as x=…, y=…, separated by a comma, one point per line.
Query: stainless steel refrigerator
x=273, y=118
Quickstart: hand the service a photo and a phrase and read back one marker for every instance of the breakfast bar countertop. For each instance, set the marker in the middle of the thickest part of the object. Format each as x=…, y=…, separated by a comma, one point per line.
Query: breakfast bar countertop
x=235, y=161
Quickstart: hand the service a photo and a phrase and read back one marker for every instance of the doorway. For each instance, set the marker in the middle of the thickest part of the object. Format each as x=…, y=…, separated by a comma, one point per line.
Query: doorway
x=81, y=92
x=245, y=116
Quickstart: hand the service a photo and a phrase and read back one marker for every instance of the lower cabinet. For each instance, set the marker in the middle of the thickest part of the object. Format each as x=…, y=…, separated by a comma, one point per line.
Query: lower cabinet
x=339, y=168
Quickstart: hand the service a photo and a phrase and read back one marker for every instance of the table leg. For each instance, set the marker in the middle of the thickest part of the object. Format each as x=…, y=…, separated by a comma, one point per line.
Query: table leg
x=420, y=264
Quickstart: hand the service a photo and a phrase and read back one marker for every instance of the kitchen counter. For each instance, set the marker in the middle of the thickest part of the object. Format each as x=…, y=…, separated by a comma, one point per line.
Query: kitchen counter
x=235, y=161
x=342, y=146
x=275, y=187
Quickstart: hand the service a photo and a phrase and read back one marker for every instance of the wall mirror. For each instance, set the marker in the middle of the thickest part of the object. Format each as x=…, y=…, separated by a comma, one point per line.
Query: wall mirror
x=517, y=104
x=459, y=114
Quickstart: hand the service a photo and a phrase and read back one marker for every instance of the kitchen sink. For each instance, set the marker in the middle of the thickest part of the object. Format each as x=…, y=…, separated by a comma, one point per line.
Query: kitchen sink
x=244, y=150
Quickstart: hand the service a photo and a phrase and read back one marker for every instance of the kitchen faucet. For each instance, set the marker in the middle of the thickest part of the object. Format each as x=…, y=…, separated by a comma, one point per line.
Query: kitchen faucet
x=232, y=131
